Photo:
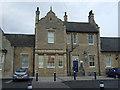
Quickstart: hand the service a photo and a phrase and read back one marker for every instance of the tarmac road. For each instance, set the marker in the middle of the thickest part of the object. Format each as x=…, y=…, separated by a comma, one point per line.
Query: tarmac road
x=67, y=85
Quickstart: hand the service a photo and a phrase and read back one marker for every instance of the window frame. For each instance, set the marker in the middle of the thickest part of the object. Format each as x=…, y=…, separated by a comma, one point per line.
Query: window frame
x=92, y=61
x=51, y=39
x=60, y=58
x=49, y=64
x=1, y=62
x=89, y=39
x=40, y=65
x=74, y=36
x=22, y=60
x=109, y=60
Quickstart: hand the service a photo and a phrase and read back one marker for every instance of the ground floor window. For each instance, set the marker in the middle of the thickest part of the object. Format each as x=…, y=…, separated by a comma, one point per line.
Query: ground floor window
x=50, y=61
x=108, y=61
x=92, y=61
x=1, y=63
x=40, y=61
x=60, y=61
x=25, y=61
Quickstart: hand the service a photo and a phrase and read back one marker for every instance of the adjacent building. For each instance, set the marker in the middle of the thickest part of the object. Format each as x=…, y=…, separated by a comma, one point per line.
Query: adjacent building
x=59, y=46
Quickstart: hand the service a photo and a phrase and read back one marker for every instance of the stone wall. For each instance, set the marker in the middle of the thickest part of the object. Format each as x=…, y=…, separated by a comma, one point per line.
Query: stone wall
x=78, y=50
x=8, y=58
x=114, y=61
x=19, y=51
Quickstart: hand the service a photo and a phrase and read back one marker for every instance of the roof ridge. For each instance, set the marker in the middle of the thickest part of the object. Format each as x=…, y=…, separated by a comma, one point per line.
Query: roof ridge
x=110, y=37
x=80, y=22
x=17, y=34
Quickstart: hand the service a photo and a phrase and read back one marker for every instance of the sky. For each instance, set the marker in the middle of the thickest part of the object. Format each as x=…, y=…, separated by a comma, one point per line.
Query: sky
x=19, y=17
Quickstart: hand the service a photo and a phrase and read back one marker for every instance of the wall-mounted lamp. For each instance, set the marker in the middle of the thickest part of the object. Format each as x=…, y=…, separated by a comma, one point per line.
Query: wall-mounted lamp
x=4, y=50
x=85, y=54
x=116, y=58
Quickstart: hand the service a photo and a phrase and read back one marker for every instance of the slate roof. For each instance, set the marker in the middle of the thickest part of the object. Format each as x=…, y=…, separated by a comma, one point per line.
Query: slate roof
x=110, y=44
x=21, y=40
x=80, y=27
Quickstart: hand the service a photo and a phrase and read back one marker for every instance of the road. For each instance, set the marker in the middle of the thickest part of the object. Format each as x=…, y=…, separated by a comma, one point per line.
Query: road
x=70, y=85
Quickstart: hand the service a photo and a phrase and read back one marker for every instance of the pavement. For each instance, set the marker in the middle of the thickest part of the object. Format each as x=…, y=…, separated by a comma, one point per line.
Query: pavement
x=64, y=78
x=70, y=78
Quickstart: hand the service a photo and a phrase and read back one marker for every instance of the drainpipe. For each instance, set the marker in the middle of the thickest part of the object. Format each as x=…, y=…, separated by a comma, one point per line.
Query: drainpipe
x=69, y=54
x=98, y=54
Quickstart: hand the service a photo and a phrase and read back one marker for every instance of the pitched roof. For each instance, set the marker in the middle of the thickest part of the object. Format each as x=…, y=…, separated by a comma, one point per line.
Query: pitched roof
x=80, y=27
x=21, y=40
x=110, y=44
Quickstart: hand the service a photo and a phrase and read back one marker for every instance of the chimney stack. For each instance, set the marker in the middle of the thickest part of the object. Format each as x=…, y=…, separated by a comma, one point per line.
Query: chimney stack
x=37, y=16
x=65, y=17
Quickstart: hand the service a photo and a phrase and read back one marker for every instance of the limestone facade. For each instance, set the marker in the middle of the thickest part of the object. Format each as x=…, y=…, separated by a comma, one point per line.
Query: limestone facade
x=59, y=46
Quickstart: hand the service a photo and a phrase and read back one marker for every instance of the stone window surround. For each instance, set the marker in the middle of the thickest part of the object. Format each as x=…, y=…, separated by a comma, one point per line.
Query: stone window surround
x=60, y=56
x=93, y=61
x=51, y=30
x=42, y=61
x=88, y=39
x=53, y=66
x=105, y=61
x=1, y=62
x=45, y=56
x=74, y=38
x=28, y=59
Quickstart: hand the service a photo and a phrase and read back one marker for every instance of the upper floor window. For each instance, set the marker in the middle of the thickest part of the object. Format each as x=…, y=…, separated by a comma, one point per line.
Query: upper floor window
x=25, y=61
x=74, y=38
x=50, y=37
x=68, y=39
x=90, y=39
x=92, y=61
x=108, y=61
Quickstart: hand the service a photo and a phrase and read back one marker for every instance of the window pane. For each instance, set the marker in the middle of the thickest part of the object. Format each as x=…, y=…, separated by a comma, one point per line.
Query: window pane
x=91, y=60
x=24, y=61
x=40, y=61
x=60, y=59
x=68, y=38
x=74, y=38
x=75, y=58
x=51, y=61
x=108, y=62
x=0, y=62
x=90, y=39
x=50, y=37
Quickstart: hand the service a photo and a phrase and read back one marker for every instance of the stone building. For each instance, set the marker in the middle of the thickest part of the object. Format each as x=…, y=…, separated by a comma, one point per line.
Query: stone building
x=59, y=46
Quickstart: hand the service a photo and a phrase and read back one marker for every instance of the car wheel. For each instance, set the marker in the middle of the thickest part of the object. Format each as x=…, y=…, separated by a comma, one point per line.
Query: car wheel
x=116, y=76
x=13, y=80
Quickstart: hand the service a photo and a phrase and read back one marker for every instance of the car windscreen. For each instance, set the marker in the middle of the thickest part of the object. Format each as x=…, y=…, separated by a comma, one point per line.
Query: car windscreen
x=118, y=69
x=20, y=70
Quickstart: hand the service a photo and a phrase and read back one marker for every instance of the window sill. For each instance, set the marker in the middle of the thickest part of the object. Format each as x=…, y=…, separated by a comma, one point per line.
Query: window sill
x=50, y=66
x=40, y=67
x=50, y=43
x=60, y=66
x=108, y=66
x=92, y=66
x=90, y=43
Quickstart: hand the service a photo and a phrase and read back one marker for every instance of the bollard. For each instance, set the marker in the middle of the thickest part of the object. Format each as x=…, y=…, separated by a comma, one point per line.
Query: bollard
x=29, y=86
x=36, y=76
x=115, y=74
x=101, y=85
x=74, y=75
x=54, y=76
x=95, y=75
